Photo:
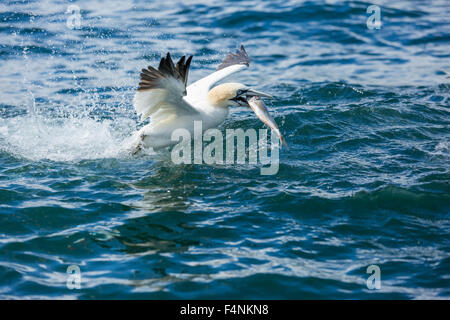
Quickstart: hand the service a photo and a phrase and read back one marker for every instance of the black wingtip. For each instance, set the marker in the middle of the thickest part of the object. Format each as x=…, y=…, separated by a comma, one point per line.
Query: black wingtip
x=150, y=77
x=243, y=50
x=240, y=57
x=188, y=62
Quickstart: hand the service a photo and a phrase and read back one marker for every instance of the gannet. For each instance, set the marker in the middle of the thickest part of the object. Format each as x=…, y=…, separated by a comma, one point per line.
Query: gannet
x=163, y=95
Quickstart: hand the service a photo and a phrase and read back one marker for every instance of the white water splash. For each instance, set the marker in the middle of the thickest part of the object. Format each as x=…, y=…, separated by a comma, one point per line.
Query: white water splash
x=68, y=139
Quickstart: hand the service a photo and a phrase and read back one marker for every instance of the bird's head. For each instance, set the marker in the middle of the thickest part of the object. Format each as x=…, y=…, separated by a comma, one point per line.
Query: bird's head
x=233, y=94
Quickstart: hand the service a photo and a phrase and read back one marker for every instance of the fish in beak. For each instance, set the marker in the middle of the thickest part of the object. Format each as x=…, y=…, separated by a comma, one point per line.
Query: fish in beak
x=259, y=108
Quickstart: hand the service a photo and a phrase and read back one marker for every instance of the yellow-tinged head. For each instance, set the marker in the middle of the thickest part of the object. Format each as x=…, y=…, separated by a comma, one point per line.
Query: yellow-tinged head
x=233, y=94
x=227, y=94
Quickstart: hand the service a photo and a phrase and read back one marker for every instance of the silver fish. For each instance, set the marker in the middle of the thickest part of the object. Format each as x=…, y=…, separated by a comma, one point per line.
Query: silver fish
x=259, y=108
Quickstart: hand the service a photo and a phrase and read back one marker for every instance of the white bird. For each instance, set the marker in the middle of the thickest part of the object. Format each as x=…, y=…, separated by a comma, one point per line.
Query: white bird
x=163, y=96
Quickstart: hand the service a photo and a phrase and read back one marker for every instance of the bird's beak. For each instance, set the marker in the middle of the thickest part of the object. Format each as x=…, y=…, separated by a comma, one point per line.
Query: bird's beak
x=248, y=94
x=251, y=93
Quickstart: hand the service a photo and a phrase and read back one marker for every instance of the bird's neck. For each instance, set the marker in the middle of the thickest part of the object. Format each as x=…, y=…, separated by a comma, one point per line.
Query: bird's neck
x=214, y=116
x=216, y=99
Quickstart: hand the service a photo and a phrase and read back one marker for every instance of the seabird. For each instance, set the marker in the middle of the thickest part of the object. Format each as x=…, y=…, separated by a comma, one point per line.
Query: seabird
x=163, y=95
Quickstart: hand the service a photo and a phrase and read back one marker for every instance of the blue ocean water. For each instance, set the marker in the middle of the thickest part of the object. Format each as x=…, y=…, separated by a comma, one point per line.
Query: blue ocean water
x=366, y=179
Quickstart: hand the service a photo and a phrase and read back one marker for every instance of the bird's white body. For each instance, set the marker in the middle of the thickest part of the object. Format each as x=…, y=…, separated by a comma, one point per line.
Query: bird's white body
x=164, y=97
x=170, y=110
x=158, y=135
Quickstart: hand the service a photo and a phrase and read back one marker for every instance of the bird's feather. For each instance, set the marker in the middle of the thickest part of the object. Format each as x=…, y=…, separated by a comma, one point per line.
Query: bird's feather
x=240, y=57
x=233, y=62
x=161, y=90
x=150, y=77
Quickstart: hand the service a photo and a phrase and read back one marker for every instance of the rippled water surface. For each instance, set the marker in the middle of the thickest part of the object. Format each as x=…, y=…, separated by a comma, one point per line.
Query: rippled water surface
x=365, y=180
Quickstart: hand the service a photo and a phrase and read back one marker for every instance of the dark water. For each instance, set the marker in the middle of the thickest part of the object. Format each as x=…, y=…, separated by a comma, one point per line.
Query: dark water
x=364, y=182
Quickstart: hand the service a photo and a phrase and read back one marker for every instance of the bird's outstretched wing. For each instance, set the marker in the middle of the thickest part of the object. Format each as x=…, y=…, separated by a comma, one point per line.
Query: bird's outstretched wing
x=232, y=63
x=161, y=91
x=238, y=58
